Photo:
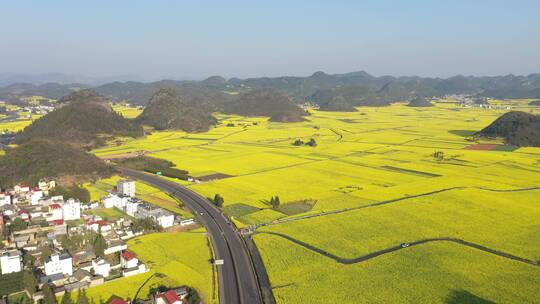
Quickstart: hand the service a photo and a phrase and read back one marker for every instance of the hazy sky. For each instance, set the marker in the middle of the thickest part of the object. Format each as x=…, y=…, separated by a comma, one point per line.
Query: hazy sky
x=195, y=39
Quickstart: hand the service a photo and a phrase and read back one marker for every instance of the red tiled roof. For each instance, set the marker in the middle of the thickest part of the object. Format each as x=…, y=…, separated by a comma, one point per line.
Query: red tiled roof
x=103, y=223
x=55, y=206
x=58, y=222
x=22, y=212
x=118, y=301
x=128, y=255
x=170, y=296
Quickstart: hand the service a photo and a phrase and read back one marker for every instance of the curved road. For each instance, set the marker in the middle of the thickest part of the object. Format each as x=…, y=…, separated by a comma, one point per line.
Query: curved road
x=237, y=278
x=375, y=254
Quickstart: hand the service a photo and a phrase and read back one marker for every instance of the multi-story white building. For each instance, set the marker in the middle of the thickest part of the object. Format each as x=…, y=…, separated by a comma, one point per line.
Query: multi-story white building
x=55, y=212
x=21, y=188
x=115, y=200
x=162, y=217
x=101, y=267
x=10, y=261
x=126, y=187
x=121, y=202
x=59, y=263
x=128, y=259
x=131, y=207
x=46, y=185
x=5, y=199
x=71, y=210
x=35, y=195
x=165, y=220
x=110, y=200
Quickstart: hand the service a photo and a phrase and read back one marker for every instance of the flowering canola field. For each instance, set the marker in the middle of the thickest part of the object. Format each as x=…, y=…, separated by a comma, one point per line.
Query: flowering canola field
x=376, y=155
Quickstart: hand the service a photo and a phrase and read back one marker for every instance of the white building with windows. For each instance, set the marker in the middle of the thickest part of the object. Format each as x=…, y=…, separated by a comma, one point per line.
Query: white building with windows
x=5, y=199
x=165, y=220
x=101, y=267
x=55, y=212
x=126, y=187
x=71, y=210
x=35, y=195
x=110, y=200
x=131, y=207
x=162, y=217
x=59, y=263
x=10, y=261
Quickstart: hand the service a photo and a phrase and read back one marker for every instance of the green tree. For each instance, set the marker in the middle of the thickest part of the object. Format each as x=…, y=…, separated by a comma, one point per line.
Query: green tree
x=99, y=245
x=29, y=281
x=82, y=298
x=45, y=253
x=18, y=224
x=48, y=295
x=218, y=200
x=66, y=298
x=28, y=260
x=274, y=202
x=312, y=143
x=76, y=192
x=439, y=155
x=298, y=142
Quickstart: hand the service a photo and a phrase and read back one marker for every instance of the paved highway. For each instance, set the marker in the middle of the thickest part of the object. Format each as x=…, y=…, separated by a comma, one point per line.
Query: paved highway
x=237, y=279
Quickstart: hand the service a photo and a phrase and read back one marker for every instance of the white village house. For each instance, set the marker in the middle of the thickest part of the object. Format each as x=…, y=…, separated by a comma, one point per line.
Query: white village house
x=10, y=261
x=126, y=187
x=59, y=263
x=5, y=199
x=101, y=267
x=71, y=210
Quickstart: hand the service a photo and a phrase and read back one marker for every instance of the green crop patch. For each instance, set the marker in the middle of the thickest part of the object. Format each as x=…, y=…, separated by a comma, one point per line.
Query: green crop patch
x=298, y=207
x=239, y=210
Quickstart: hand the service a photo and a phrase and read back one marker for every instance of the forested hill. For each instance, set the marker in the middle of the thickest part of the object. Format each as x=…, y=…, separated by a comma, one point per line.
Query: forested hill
x=419, y=102
x=85, y=120
x=37, y=159
x=266, y=102
x=168, y=110
x=517, y=129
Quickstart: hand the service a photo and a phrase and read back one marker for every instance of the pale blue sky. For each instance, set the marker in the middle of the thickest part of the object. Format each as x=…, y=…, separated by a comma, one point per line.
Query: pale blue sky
x=195, y=39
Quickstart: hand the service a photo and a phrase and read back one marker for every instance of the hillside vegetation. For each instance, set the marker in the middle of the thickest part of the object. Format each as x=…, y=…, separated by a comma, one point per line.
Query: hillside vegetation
x=517, y=129
x=167, y=110
x=86, y=120
x=37, y=159
x=266, y=102
x=354, y=87
x=419, y=102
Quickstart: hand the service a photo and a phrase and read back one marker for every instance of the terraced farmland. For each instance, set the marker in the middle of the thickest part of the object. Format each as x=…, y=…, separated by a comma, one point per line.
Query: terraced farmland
x=376, y=179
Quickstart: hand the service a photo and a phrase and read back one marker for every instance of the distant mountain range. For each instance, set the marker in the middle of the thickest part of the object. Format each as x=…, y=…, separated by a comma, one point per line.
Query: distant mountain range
x=332, y=91
x=60, y=78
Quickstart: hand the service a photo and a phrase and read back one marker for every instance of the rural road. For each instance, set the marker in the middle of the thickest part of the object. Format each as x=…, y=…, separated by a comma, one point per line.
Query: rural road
x=237, y=278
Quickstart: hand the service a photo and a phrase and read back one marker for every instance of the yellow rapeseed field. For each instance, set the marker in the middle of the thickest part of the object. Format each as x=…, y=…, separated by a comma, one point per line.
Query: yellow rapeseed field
x=378, y=154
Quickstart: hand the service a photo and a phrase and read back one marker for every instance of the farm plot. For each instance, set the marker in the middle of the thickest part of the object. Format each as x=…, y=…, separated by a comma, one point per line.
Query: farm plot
x=181, y=257
x=377, y=178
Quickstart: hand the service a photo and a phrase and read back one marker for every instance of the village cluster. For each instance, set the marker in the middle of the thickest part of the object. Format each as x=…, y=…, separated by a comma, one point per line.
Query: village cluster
x=69, y=247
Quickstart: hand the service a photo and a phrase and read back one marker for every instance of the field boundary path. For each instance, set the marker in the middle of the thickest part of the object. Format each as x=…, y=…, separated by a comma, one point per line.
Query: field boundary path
x=395, y=200
x=238, y=281
x=375, y=254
